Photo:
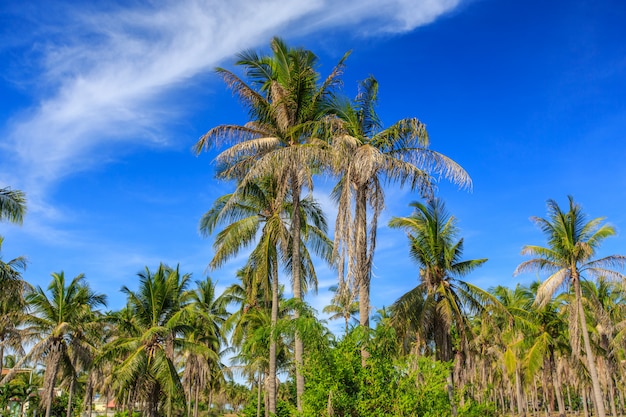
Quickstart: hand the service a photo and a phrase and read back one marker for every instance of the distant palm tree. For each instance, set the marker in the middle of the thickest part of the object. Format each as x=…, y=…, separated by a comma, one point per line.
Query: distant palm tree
x=441, y=301
x=62, y=321
x=153, y=334
x=343, y=305
x=572, y=245
x=207, y=314
x=370, y=155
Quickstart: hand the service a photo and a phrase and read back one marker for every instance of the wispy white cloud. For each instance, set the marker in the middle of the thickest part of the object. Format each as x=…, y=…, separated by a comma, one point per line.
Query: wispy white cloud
x=104, y=74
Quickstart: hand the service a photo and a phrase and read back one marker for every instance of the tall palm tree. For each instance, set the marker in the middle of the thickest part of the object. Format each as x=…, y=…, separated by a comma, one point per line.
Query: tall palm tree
x=370, y=155
x=62, y=321
x=569, y=258
x=441, y=301
x=258, y=207
x=285, y=101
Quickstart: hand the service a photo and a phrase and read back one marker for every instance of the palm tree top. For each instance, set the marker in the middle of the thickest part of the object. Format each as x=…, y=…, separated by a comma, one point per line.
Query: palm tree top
x=12, y=205
x=573, y=241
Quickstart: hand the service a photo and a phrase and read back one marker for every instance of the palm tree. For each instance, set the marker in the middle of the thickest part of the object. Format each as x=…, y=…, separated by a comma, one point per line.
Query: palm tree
x=207, y=314
x=12, y=304
x=343, y=304
x=154, y=334
x=369, y=156
x=12, y=205
x=285, y=101
x=12, y=209
x=441, y=301
x=258, y=207
x=62, y=321
x=572, y=245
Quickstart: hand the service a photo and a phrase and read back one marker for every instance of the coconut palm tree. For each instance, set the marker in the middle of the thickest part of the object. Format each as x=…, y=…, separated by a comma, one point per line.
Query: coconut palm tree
x=343, y=304
x=12, y=205
x=152, y=337
x=12, y=304
x=258, y=213
x=569, y=258
x=62, y=320
x=441, y=301
x=370, y=155
x=285, y=101
x=207, y=314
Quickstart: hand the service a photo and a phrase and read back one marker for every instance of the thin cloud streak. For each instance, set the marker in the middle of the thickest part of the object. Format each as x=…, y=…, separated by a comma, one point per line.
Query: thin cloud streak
x=108, y=73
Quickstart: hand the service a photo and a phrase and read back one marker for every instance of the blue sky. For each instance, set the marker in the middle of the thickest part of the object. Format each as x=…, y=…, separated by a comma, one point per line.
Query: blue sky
x=102, y=102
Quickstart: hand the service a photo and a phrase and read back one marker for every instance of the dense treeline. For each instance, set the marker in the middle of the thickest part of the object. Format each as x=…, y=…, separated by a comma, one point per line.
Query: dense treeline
x=446, y=347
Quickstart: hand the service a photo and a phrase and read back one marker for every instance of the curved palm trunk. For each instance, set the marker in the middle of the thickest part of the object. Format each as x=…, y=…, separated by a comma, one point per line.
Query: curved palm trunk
x=297, y=285
x=271, y=385
x=591, y=365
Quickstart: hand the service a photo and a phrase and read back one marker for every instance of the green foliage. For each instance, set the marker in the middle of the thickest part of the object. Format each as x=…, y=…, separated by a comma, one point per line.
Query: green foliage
x=338, y=385
x=474, y=409
x=125, y=414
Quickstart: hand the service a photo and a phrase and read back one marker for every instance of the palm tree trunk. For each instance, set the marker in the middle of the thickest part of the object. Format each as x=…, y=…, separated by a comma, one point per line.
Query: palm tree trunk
x=591, y=364
x=50, y=375
x=258, y=399
x=453, y=409
x=556, y=383
x=521, y=410
x=297, y=285
x=271, y=386
x=361, y=272
x=585, y=409
x=197, y=398
x=69, y=397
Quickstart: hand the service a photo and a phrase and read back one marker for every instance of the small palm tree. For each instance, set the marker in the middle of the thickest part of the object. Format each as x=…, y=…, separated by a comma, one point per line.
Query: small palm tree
x=62, y=321
x=569, y=258
x=12, y=304
x=207, y=314
x=343, y=304
x=441, y=301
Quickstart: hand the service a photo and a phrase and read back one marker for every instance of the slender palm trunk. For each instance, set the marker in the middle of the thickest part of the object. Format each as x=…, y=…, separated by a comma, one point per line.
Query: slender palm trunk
x=521, y=410
x=197, y=399
x=585, y=408
x=361, y=272
x=591, y=364
x=70, y=396
x=51, y=374
x=271, y=386
x=258, y=399
x=556, y=383
x=297, y=285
